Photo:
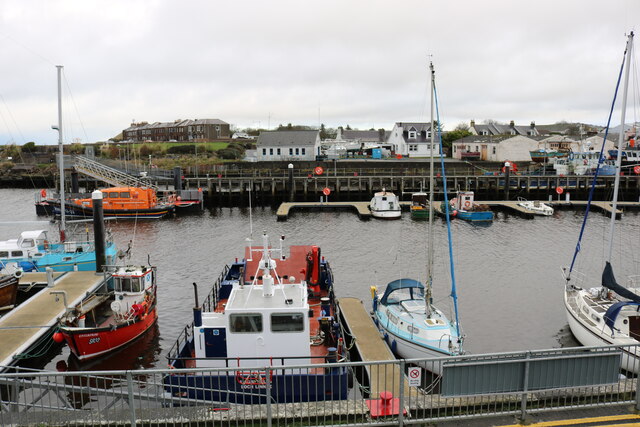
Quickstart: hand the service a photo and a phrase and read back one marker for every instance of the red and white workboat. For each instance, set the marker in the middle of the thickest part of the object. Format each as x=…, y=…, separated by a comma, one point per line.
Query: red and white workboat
x=106, y=321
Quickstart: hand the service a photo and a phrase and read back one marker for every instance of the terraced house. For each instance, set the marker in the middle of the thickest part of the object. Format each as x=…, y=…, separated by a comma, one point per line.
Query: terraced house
x=198, y=130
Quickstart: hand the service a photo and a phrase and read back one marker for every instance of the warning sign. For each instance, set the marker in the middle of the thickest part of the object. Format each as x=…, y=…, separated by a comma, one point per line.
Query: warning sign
x=415, y=377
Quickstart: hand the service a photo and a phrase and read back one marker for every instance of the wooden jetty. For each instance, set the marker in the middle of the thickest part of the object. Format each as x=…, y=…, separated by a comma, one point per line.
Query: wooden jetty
x=362, y=208
x=371, y=347
x=26, y=324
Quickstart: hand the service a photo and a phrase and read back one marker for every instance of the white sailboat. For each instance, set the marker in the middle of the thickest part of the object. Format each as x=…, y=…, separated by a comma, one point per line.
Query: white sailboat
x=405, y=314
x=606, y=313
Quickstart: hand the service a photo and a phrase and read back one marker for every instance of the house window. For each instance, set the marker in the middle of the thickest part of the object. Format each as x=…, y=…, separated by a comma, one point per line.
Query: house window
x=428, y=134
x=264, y=151
x=484, y=132
x=303, y=151
x=413, y=147
x=454, y=148
x=412, y=134
x=468, y=148
x=271, y=151
x=291, y=151
x=278, y=151
x=513, y=132
x=477, y=149
x=494, y=149
x=297, y=151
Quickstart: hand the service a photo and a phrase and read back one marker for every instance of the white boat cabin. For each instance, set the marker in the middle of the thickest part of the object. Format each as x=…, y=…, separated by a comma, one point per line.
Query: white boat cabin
x=132, y=286
x=463, y=201
x=268, y=315
x=30, y=244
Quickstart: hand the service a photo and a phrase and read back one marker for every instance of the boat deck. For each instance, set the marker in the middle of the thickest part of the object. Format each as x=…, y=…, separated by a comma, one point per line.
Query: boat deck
x=32, y=319
x=371, y=348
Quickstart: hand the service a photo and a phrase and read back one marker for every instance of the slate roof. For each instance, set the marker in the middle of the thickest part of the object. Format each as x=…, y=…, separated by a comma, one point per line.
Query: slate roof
x=420, y=128
x=362, y=135
x=280, y=138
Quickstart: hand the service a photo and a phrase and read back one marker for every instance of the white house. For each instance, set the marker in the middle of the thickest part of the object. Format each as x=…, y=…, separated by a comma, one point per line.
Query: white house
x=288, y=145
x=412, y=139
x=495, y=148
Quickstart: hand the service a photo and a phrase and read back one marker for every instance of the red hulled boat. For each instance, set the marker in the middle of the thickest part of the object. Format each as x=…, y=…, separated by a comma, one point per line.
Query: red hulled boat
x=104, y=322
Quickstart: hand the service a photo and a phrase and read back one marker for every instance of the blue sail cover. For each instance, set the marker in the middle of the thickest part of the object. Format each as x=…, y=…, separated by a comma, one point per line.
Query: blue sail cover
x=400, y=284
x=609, y=281
x=613, y=311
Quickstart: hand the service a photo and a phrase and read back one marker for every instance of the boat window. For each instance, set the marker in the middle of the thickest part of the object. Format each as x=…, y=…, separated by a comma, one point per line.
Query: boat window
x=124, y=195
x=4, y=254
x=114, y=194
x=17, y=254
x=287, y=322
x=246, y=323
x=128, y=284
x=27, y=243
x=404, y=294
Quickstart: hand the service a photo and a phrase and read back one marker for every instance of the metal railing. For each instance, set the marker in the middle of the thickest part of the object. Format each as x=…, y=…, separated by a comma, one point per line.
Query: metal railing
x=517, y=383
x=109, y=175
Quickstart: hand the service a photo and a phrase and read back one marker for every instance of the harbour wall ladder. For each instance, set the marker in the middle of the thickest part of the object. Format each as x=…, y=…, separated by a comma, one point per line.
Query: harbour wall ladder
x=26, y=324
x=371, y=348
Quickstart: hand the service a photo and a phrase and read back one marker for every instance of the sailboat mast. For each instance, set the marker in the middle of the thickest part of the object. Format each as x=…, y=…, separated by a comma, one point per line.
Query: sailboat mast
x=616, y=185
x=431, y=191
x=61, y=158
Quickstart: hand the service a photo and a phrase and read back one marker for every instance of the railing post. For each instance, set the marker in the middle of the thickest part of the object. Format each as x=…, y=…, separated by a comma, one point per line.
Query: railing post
x=525, y=387
x=268, y=396
x=401, y=394
x=637, y=384
x=132, y=405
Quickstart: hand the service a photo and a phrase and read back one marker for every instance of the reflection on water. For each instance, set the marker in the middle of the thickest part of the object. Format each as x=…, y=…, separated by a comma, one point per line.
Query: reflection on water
x=508, y=273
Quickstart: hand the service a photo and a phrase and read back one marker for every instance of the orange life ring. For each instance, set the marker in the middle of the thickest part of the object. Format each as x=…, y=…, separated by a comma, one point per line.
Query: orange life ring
x=467, y=204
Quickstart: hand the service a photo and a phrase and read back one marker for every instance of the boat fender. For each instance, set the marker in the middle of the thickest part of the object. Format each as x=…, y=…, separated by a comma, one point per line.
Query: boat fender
x=43, y=193
x=454, y=213
x=585, y=161
x=17, y=274
x=570, y=156
x=45, y=244
x=394, y=346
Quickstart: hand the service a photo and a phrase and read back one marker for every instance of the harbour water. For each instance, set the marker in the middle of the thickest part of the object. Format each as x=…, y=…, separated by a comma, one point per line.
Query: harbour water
x=508, y=273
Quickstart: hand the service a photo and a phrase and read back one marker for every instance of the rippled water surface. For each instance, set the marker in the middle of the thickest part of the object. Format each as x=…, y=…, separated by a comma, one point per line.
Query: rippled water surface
x=508, y=273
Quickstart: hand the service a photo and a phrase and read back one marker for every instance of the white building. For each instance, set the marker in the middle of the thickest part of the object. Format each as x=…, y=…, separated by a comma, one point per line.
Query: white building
x=288, y=145
x=412, y=140
x=495, y=148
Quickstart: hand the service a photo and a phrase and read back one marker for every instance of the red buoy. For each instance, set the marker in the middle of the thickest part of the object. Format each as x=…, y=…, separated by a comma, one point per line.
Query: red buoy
x=58, y=337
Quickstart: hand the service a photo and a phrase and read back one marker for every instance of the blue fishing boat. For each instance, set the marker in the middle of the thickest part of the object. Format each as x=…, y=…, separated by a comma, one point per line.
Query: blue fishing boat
x=405, y=315
x=264, y=313
x=464, y=207
x=32, y=251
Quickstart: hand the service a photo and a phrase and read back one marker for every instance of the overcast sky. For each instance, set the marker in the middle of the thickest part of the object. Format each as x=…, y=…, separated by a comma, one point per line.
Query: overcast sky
x=263, y=63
